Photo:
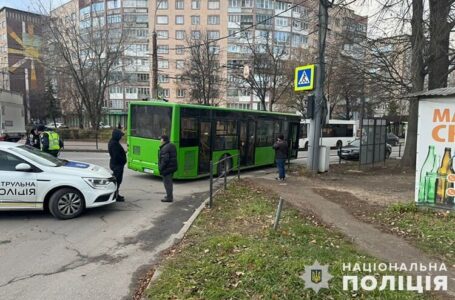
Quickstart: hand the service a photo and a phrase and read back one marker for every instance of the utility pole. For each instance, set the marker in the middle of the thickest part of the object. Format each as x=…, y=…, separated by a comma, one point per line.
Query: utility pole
x=154, y=65
x=316, y=122
x=155, y=55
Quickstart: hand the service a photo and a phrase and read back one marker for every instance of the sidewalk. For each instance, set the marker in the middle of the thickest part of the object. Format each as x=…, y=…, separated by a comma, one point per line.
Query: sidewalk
x=299, y=192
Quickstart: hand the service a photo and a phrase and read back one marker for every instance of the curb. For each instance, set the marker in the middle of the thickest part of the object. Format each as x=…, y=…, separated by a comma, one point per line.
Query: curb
x=85, y=150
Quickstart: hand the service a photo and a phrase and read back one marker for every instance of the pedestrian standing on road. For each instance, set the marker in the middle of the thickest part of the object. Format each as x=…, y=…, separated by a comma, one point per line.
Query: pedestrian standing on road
x=33, y=138
x=167, y=166
x=118, y=159
x=281, y=154
x=50, y=141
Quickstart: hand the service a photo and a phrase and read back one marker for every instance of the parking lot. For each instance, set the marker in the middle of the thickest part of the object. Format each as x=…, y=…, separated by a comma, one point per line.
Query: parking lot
x=99, y=255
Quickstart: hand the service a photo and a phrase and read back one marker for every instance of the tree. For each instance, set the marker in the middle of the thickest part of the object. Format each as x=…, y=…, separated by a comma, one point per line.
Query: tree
x=202, y=69
x=89, y=53
x=52, y=104
x=266, y=76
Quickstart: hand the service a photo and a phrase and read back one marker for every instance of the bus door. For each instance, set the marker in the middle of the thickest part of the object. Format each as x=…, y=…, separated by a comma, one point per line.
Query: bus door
x=294, y=139
x=205, y=149
x=246, y=143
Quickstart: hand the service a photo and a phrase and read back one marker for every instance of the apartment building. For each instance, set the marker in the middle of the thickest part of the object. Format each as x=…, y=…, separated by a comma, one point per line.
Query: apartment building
x=21, y=69
x=127, y=20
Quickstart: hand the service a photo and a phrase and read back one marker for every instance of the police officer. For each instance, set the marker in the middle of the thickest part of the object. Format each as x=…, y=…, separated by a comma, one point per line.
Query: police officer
x=50, y=142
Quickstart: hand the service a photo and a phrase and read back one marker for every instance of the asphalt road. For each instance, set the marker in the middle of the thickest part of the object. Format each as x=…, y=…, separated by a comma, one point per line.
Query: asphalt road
x=99, y=255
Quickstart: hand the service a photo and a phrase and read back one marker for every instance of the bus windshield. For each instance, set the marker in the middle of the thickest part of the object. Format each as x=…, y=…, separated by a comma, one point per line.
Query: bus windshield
x=150, y=121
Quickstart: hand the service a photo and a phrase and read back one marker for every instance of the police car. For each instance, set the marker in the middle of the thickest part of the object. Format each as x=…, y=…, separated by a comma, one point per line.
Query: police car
x=33, y=180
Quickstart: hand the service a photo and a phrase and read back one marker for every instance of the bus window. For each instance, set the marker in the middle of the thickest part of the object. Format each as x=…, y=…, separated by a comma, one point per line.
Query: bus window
x=150, y=121
x=188, y=132
x=226, y=135
x=264, y=133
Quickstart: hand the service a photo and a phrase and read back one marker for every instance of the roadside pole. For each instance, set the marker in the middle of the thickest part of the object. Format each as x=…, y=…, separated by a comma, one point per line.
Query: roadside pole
x=319, y=105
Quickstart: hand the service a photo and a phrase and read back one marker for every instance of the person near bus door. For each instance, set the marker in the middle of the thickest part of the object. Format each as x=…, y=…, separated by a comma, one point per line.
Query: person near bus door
x=281, y=154
x=167, y=166
x=50, y=141
x=118, y=159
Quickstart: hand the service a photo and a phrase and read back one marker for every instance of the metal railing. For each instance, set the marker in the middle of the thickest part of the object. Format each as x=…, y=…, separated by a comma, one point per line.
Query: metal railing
x=224, y=174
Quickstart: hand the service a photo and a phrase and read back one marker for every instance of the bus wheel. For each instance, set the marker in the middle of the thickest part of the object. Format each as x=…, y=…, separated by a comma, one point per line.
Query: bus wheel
x=339, y=144
x=226, y=163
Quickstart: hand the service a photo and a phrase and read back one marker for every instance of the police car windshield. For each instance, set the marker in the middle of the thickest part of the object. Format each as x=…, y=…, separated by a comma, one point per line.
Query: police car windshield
x=39, y=157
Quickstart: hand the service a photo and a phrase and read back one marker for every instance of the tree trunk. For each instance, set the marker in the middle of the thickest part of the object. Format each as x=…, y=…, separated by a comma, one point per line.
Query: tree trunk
x=438, y=64
x=418, y=77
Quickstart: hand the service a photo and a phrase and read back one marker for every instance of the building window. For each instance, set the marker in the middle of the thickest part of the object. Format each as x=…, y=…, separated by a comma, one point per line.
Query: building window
x=180, y=93
x=143, y=91
x=234, y=19
x=213, y=20
x=195, y=20
x=179, y=4
x=234, y=3
x=195, y=34
x=195, y=4
x=163, y=49
x=114, y=19
x=117, y=104
x=143, y=77
x=130, y=90
x=162, y=20
x=164, y=4
x=180, y=64
x=179, y=20
x=162, y=78
x=283, y=22
x=214, y=4
x=162, y=34
x=163, y=64
x=180, y=34
x=213, y=35
x=247, y=3
x=180, y=49
x=163, y=93
x=264, y=4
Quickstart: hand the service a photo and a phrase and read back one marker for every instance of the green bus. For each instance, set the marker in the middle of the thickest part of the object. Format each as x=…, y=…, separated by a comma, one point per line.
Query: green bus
x=203, y=134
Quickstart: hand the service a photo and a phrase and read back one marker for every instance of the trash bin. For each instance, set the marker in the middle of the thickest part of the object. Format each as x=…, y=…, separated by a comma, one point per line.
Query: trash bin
x=324, y=159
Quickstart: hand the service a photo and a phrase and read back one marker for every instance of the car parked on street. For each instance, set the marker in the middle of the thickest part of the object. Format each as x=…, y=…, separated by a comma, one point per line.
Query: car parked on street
x=33, y=180
x=392, y=139
x=352, y=150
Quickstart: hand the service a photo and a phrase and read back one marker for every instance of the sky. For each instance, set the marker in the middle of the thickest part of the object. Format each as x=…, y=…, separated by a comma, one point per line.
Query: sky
x=31, y=5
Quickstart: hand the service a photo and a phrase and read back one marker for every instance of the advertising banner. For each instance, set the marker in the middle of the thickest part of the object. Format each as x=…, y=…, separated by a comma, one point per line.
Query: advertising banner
x=435, y=175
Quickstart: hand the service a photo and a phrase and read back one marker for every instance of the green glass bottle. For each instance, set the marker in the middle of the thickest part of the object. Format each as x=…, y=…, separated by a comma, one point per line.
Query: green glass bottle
x=426, y=167
x=431, y=182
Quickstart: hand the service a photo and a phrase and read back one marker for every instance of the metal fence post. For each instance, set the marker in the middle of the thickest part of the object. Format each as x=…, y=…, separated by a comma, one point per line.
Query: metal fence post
x=238, y=167
x=211, y=184
x=225, y=175
x=399, y=150
x=278, y=214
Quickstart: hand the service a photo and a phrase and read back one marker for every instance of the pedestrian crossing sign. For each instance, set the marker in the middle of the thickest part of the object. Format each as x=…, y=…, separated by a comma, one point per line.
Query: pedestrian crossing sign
x=304, y=78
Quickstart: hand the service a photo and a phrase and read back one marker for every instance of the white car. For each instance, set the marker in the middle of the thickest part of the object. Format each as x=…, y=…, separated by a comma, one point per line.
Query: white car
x=33, y=180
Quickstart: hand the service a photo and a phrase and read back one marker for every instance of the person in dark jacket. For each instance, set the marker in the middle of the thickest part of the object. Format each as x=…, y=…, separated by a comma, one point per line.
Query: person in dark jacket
x=118, y=159
x=281, y=154
x=33, y=138
x=167, y=166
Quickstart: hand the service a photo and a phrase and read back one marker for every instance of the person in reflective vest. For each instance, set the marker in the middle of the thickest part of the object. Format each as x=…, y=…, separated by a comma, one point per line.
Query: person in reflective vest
x=51, y=142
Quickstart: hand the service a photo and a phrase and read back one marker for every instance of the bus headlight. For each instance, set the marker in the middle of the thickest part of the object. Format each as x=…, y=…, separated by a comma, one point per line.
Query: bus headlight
x=98, y=183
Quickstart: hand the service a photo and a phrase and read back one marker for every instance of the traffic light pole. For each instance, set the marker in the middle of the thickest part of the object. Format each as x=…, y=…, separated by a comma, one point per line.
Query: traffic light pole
x=316, y=122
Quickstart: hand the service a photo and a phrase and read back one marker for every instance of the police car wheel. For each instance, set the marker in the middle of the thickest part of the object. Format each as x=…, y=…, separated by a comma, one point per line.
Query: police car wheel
x=66, y=204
